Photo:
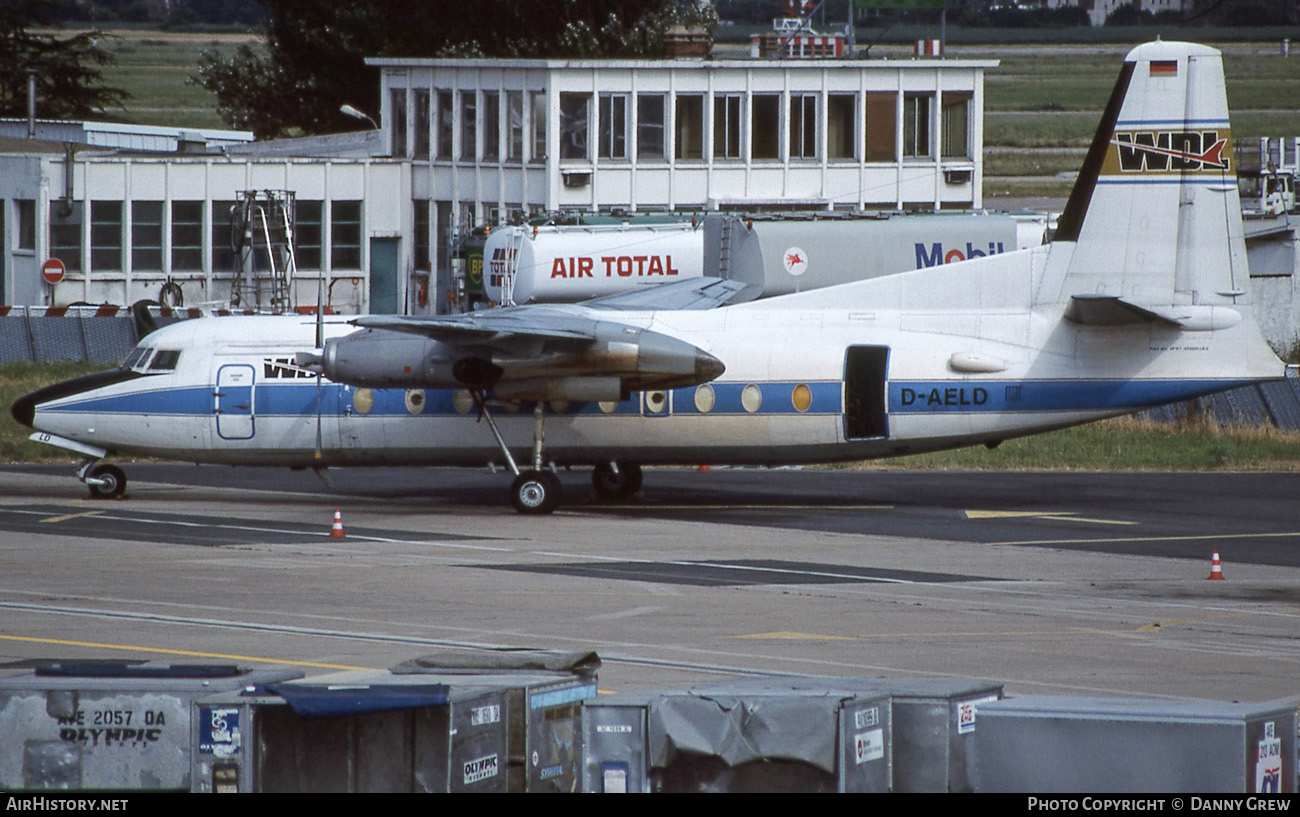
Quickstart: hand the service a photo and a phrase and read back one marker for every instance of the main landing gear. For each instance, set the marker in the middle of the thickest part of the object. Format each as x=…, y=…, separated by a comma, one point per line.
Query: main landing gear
x=104, y=481
x=534, y=491
x=614, y=480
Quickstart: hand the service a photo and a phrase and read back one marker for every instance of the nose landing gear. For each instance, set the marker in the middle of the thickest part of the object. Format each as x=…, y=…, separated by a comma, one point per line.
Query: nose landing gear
x=104, y=481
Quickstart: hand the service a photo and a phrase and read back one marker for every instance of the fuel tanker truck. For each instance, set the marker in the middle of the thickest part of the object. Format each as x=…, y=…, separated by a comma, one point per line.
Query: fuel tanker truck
x=775, y=253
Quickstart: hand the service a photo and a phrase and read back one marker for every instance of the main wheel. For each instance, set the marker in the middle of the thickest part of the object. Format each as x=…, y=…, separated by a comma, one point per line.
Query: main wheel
x=535, y=492
x=112, y=482
x=621, y=485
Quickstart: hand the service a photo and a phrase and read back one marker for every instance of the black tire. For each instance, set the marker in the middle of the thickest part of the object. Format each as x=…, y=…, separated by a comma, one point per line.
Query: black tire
x=115, y=482
x=171, y=295
x=610, y=485
x=535, y=492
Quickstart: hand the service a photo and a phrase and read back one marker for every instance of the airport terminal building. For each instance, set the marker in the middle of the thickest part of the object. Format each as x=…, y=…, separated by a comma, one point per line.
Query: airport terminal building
x=378, y=216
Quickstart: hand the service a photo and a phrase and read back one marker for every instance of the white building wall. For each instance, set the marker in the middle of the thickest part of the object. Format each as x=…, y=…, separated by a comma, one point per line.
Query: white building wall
x=381, y=188
x=466, y=185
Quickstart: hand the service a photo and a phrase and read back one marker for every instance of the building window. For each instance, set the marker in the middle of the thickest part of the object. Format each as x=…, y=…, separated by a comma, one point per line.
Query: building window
x=187, y=235
x=26, y=224
x=916, y=126
x=345, y=235
x=613, y=126
x=726, y=127
x=515, y=123
x=882, y=115
x=491, y=126
x=841, y=126
x=420, y=244
x=803, y=126
x=397, y=112
x=307, y=224
x=227, y=223
x=574, y=114
x=65, y=233
x=954, y=123
x=689, y=130
x=146, y=236
x=422, y=124
x=446, y=125
x=650, y=127
x=468, y=126
x=765, y=128
x=539, y=113
x=106, y=236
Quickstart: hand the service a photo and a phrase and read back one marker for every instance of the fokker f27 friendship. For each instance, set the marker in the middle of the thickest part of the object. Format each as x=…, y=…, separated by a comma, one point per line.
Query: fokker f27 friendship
x=1140, y=299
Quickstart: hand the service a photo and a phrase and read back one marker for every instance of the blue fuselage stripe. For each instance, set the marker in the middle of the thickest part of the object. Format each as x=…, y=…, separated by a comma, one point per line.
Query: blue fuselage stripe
x=904, y=397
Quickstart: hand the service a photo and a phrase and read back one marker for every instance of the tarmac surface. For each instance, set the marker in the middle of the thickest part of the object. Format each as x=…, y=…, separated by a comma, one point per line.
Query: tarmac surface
x=1059, y=583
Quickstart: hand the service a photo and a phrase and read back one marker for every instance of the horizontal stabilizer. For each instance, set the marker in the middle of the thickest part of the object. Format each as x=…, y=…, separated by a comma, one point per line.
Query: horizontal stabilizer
x=693, y=293
x=1110, y=310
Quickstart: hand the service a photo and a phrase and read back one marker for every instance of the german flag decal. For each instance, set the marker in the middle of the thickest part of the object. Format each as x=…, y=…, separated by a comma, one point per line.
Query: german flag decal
x=1164, y=68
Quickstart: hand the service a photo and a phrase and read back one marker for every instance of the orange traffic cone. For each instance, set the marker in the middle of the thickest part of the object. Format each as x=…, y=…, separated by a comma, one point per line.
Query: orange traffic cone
x=1216, y=570
x=336, y=530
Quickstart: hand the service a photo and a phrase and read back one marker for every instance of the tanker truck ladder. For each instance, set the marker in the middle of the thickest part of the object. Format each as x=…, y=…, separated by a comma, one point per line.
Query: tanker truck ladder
x=518, y=236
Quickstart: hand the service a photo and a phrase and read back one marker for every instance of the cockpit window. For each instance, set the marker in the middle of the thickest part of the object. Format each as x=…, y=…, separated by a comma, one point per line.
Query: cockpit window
x=165, y=360
x=136, y=357
x=147, y=360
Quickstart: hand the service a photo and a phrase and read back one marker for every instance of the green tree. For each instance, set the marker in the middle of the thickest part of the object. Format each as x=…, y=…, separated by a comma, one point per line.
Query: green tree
x=69, y=83
x=313, y=60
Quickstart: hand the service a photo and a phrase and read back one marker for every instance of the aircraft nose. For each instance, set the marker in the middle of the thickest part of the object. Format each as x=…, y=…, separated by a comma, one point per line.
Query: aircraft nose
x=24, y=409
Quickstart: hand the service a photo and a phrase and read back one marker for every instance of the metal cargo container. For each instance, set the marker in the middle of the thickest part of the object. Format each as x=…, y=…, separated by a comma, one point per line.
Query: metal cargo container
x=741, y=740
x=933, y=724
x=1065, y=744
x=544, y=698
x=352, y=732
x=108, y=725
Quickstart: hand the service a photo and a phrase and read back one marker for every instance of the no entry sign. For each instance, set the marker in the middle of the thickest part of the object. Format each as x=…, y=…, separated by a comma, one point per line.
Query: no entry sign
x=52, y=271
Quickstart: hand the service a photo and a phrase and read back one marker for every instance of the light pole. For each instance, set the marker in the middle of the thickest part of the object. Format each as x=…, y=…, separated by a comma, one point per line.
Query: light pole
x=348, y=110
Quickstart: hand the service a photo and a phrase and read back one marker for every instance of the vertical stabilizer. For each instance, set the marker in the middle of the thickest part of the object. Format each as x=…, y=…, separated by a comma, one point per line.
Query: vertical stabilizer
x=1155, y=217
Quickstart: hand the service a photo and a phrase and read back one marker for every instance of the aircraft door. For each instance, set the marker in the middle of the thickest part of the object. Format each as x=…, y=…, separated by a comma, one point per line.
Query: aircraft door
x=865, y=379
x=233, y=401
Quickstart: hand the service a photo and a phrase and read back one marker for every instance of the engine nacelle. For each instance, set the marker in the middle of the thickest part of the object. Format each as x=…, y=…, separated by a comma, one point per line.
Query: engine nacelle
x=379, y=359
x=616, y=360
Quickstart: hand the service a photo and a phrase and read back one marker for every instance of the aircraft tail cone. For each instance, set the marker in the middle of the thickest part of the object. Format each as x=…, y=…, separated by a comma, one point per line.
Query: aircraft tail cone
x=336, y=530
x=1216, y=570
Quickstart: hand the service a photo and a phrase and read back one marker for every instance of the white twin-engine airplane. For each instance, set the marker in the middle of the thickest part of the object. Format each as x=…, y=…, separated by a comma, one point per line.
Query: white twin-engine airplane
x=1140, y=299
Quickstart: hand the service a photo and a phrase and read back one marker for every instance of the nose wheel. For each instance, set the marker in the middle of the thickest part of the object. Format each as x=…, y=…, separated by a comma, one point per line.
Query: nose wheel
x=106, y=482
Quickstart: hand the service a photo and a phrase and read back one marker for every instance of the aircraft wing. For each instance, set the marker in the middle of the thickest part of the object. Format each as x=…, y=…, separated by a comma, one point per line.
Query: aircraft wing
x=490, y=328
x=693, y=293
x=535, y=352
